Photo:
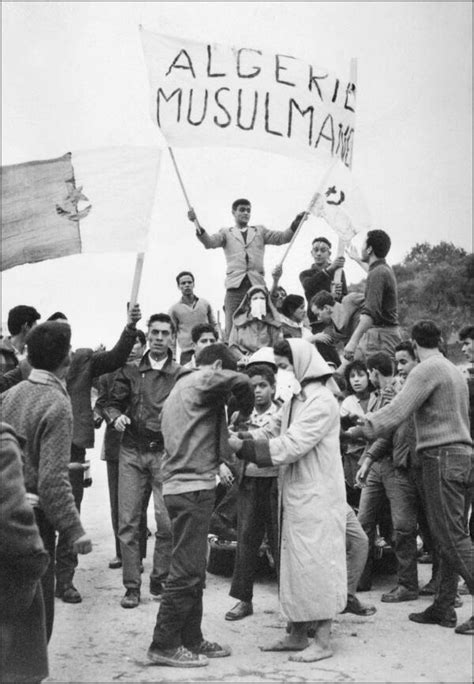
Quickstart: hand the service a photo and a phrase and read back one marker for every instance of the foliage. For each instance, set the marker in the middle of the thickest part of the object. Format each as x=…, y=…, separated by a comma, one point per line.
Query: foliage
x=435, y=282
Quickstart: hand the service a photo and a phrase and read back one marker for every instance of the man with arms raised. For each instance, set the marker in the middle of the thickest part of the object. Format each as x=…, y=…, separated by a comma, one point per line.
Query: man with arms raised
x=244, y=249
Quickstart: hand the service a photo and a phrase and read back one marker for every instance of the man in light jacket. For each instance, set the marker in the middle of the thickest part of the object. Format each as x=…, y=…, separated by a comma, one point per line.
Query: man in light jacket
x=244, y=249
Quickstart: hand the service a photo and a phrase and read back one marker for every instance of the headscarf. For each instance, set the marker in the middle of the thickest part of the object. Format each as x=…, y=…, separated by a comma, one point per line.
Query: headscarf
x=308, y=364
x=242, y=313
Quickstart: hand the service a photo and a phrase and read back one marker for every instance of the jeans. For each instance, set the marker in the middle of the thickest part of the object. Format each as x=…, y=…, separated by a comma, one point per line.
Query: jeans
x=112, y=481
x=357, y=549
x=48, y=535
x=424, y=531
x=233, y=297
x=395, y=483
x=179, y=618
x=257, y=511
x=139, y=469
x=448, y=478
x=66, y=559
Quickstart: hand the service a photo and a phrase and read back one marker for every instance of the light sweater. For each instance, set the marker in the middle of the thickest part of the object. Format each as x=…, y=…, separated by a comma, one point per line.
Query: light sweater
x=436, y=393
x=39, y=409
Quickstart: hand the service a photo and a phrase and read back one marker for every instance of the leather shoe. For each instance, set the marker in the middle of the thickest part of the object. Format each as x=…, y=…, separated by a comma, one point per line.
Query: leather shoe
x=466, y=627
x=156, y=588
x=399, y=594
x=240, y=610
x=428, y=589
x=115, y=563
x=131, y=598
x=431, y=617
x=353, y=605
x=68, y=593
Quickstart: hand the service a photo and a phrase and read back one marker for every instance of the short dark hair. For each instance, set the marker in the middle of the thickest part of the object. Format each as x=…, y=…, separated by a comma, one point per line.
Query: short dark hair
x=19, y=315
x=213, y=352
x=140, y=337
x=322, y=239
x=382, y=362
x=467, y=331
x=321, y=299
x=161, y=318
x=282, y=348
x=263, y=370
x=57, y=316
x=48, y=345
x=200, y=329
x=184, y=273
x=238, y=202
x=406, y=346
x=356, y=365
x=290, y=304
x=427, y=334
x=380, y=242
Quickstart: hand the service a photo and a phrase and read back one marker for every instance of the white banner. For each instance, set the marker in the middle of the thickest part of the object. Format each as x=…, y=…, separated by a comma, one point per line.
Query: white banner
x=211, y=94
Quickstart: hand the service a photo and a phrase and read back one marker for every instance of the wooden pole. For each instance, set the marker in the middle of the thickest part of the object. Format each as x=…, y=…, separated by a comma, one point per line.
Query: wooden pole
x=341, y=244
x=137, y=278
x=314, y=199
x=173, y=159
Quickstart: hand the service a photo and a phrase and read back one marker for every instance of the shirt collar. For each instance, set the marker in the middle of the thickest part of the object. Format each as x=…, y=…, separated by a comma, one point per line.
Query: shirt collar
x=44, y=377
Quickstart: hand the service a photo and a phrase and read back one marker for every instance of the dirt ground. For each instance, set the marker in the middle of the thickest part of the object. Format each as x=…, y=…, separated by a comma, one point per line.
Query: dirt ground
x=98, y=641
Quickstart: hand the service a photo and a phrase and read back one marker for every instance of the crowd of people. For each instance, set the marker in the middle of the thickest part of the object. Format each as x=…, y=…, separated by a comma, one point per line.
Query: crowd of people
x=327, y=430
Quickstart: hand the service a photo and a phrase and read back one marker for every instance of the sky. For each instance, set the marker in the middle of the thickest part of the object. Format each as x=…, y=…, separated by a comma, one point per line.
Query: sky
x=74, y=78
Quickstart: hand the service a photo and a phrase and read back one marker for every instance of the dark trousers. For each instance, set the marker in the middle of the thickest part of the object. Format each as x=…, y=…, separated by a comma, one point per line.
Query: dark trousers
x=48, y=536
x=113, y=483
x=257, y=512
x=416, y=474
x=395, y=483
x=233, y=297
x=448, y=479
x=179, y=618
x=66, y=559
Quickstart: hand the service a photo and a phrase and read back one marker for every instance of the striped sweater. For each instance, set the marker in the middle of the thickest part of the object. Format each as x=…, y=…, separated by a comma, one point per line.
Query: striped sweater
x=436, y=393
x=39, y=410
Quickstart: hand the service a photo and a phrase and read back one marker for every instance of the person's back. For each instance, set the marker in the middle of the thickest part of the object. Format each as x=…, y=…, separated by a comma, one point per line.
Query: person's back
x=39, y=410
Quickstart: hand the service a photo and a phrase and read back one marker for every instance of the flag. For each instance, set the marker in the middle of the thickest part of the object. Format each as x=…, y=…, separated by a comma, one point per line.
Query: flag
x=340, y=202
x=90, y=201
x=208, y=94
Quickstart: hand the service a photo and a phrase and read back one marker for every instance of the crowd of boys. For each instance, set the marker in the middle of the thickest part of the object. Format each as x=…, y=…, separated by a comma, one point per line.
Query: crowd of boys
x=167, y=434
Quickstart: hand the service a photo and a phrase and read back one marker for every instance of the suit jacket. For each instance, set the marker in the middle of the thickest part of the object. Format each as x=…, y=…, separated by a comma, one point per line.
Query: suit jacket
x=245, y=257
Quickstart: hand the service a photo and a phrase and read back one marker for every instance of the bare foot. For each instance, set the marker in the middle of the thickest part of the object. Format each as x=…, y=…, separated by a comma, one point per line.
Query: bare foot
x=289, y=643
x=312, y=653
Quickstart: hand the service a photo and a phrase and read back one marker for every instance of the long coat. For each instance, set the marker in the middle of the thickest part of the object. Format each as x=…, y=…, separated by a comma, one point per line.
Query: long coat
x=313, y=578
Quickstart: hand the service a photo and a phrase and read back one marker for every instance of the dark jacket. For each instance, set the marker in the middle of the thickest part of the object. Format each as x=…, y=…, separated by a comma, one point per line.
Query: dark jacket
x=112, y=438
x=140, y=391
x=23, y=655
x=86, y=365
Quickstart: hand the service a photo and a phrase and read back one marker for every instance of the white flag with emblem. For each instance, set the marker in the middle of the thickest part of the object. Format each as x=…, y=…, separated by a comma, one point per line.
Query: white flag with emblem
x=341, y=204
